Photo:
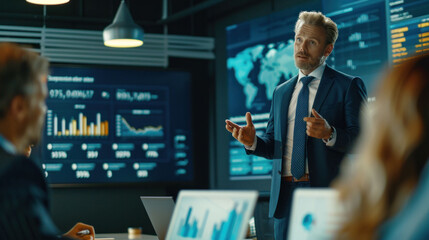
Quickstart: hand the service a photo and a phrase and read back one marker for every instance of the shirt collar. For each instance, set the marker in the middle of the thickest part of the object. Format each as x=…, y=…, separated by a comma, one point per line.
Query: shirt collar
x=316, y=73
x=7, y=146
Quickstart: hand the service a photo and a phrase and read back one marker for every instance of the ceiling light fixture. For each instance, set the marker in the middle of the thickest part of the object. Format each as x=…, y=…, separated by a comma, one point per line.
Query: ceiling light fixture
x=48, y=2
x=123, y=32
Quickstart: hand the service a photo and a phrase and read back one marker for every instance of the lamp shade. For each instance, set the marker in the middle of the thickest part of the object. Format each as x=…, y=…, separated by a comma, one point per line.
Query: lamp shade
x=48, y=2
x=123, y=32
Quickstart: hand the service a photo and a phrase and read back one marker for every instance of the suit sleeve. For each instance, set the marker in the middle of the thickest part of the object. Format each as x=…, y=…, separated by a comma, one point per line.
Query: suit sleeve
x=265, y=143
x=355, y=96
x=24, y=213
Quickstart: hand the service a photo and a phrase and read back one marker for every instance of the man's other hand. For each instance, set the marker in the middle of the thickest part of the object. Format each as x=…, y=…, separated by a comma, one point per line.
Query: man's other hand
x=317, y=126
x=245, y=134
x=81, y=231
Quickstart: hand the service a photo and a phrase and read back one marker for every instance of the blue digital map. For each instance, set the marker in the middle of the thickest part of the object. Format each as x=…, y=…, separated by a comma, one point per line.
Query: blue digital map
x=273, y=61
x=254, y=72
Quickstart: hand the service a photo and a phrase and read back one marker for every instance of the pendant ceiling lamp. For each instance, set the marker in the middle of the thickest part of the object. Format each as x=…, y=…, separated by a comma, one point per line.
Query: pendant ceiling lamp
x=48, y=2
x=123, y=32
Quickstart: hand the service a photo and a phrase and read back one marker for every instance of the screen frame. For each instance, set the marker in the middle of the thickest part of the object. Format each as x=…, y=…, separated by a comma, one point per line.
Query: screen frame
x=37, y=151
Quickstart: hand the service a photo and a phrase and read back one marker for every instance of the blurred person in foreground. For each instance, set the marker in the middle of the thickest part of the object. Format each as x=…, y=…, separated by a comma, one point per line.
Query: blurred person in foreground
x=24, y=199
x=386, y=188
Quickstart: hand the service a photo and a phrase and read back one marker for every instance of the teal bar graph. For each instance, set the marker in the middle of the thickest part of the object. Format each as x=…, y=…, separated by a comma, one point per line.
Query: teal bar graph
x=229, y=229
x=223, y=230
x=191, y=230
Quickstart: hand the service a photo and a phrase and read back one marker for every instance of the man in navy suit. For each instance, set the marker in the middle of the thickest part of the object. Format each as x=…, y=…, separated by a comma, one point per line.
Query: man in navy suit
x=24, y=201
x=313, y=121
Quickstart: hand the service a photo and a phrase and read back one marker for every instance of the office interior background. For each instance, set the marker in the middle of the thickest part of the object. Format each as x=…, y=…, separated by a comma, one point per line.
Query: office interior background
x=157, y=111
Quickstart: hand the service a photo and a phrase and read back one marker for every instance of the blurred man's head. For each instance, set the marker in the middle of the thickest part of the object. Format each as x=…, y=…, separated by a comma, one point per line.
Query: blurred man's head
x=22, y=95
x=315, y=36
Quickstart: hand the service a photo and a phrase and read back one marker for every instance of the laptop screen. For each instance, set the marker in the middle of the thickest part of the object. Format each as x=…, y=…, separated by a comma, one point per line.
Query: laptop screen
x=316, y=214
x=212, y=215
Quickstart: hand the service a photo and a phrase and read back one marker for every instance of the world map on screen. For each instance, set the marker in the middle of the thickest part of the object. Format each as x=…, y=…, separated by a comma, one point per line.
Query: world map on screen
x=272, y=61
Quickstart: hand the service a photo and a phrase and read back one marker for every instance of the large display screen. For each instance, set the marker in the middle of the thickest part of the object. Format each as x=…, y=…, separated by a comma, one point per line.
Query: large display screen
x=361, y=48
x=112, y=126
x=372, y=35
x=408, y=29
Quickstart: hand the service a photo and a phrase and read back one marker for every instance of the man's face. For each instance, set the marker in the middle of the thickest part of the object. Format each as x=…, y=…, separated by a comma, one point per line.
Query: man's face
x=310, y=49
x=36, y=111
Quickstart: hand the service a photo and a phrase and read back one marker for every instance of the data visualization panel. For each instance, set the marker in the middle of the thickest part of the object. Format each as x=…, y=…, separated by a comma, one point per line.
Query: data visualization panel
x=373, y=35
x=107, y=125
x=409, y=29
x=129, y=123
x=361, y=48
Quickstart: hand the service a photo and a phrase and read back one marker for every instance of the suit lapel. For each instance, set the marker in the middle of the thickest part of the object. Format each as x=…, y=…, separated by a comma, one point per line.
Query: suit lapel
x=325, y=85
x=284, y=106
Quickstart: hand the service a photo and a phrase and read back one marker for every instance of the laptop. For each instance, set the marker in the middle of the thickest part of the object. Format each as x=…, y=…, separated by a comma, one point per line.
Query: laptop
x=316, y=214
x=216, y=215
x=159, y=210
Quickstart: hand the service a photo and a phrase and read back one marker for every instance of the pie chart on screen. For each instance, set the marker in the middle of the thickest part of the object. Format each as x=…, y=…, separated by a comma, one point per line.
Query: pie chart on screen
x=308, y=221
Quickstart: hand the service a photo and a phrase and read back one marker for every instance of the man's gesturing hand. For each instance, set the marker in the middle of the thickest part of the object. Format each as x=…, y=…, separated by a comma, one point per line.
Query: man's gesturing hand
x=317, y=126
x=246, y=134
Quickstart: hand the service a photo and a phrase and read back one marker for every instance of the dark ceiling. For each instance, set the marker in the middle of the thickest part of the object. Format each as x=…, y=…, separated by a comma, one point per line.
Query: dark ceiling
x=188, y=17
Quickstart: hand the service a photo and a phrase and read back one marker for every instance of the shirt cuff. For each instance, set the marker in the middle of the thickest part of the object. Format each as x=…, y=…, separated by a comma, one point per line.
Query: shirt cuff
x=253, y=147
x=331, y=142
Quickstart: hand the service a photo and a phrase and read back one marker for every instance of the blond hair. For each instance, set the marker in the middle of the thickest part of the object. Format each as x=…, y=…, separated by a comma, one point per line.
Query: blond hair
x=320, y=20
x=19, y=71
x=392, y=151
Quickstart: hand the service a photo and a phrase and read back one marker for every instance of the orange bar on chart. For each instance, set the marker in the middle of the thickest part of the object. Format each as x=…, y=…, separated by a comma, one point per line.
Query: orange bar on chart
x=84, y=126
x=101, y=129
x=107, y=128
x=74, y=128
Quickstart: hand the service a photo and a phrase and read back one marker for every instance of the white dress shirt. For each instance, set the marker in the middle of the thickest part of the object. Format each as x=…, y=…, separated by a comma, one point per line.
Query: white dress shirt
x=7, y=146
x=312, y=87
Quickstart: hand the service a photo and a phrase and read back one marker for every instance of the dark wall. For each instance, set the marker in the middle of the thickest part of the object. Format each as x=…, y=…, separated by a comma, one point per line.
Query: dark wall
x=108, y=209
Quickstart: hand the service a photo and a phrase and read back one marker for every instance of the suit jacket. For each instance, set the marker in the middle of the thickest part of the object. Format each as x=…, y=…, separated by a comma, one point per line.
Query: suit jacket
x=338, y=100
x=24, y=201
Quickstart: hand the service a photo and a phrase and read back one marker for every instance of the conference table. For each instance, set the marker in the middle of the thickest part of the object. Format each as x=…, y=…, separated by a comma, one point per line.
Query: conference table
x=124, y=236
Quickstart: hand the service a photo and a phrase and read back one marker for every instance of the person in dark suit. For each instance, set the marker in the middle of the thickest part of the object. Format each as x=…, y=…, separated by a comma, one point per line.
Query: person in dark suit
x=314, y=119
x=24, y=201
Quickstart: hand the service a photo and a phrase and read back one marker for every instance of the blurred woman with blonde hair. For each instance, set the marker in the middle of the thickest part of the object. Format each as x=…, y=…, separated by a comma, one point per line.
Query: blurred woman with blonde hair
x=390, y=156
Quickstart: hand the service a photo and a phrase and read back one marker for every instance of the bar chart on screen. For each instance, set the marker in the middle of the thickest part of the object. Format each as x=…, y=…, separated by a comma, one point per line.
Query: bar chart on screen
x=76, y=124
